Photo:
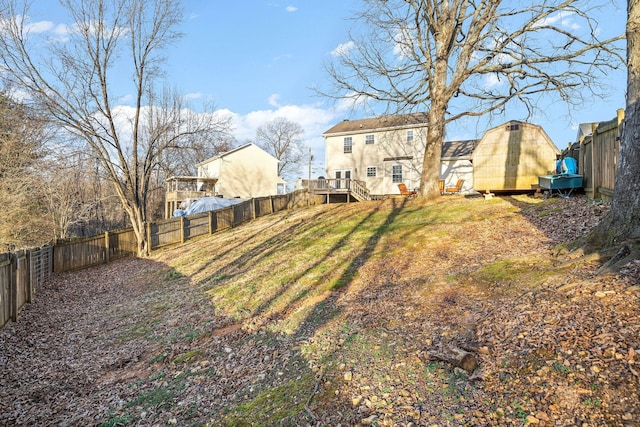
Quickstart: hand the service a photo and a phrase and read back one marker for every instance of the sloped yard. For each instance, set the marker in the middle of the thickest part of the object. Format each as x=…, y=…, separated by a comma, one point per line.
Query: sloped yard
x=332, y=316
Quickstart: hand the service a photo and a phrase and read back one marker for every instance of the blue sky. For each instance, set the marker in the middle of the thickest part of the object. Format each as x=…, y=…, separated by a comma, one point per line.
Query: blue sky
x=259, y=60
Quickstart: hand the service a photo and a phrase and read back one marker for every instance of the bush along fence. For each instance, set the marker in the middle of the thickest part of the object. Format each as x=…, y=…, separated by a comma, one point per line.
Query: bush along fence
x=22, y=272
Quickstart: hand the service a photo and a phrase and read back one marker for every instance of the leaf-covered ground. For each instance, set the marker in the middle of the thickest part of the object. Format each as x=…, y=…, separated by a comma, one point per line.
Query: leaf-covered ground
x=331, y=316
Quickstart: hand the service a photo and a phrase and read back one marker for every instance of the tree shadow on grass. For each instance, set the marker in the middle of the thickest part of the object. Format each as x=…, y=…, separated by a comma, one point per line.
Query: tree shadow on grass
x=260, y=251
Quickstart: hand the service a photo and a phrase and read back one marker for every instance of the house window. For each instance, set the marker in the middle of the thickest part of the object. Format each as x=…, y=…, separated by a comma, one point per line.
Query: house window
x=409, y=136
x=396, y=174
x=348, y=144
x=369, y=139
x=280, y=189
x=513, y=127
x=372, y=171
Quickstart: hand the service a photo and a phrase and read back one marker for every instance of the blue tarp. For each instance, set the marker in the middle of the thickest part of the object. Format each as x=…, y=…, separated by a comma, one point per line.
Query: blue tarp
x=205, y=204
x=567, y=165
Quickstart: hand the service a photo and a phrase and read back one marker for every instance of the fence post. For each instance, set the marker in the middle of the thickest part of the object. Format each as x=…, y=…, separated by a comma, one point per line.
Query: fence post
x=233, y=216
x=148, y=231
x=273, y=208
x=182, y=230
x=13, y=288
x=27, y=260
x=210, y=221
x=107, y=248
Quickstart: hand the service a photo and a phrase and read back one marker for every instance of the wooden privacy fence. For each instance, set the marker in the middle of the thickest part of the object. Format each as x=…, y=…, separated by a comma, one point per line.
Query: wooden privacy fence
x=598, y=158
x=21, y=274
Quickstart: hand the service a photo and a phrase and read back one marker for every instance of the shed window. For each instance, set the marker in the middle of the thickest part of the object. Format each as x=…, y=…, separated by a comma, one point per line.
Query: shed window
x=369, y=139
x=372, y=171
x=396, y=174
x=513, y=127
x=348, y=144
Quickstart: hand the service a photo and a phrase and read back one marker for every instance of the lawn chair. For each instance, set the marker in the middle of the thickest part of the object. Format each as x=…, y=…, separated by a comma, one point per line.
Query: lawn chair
x=456, y=189
x=404, y=191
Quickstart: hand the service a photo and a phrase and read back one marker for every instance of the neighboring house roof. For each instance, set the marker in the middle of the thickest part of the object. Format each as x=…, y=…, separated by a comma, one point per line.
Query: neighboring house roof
x=584, y=130
x=377, y=123
x=458, y=149
x=234, y=150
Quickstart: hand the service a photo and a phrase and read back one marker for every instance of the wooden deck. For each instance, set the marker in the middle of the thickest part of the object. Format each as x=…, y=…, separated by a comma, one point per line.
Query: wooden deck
x=340, y=190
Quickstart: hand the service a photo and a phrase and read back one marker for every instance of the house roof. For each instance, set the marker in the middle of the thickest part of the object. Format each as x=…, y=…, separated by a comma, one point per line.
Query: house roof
x=584, y=130
x=377, y=123
x=457, y=149
x=233, y=150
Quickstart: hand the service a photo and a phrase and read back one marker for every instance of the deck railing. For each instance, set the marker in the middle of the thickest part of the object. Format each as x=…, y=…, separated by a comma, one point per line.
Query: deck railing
x=340, y=185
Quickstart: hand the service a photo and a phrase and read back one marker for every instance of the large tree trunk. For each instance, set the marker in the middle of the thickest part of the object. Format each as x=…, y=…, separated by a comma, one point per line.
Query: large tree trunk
x=429, y=188
x=622, y=226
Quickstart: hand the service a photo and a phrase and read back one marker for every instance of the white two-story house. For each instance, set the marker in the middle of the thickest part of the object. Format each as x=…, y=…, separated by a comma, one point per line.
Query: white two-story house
x=381, y=152
x=245, y=172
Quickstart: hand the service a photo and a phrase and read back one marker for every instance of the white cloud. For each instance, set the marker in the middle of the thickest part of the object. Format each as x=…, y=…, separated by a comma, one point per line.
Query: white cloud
x=492, y=80
x=315, y=119
x=273, y=100
x=125, y=99
x=62, y=30
x=403, y=43
x=343, y=48
x=39, y=27
x=564, y=18
x=193, y=95
x=281, y=57
x=291, y=8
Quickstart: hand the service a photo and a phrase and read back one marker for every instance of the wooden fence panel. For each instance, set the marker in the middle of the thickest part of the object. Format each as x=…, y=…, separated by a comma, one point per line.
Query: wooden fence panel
x=224, y=219
x=196, y=225
x=242, y=212
x=165, y=232
x=79, y=253
x=586, y=166
x=5, y=288
x=606, y=148
x=599, y=154
x=263, y=206
x=281, y=203
x=122, y=243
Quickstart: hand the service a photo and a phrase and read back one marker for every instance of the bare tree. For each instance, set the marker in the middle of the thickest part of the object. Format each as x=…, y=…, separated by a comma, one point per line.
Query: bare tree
x=282, y=138
x=74, y=196
x=72, y=83
x=22, y=140
x=619, y=232
x=469, y=58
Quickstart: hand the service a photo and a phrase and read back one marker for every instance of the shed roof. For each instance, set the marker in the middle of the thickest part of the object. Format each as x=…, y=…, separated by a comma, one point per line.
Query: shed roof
x=377, y=123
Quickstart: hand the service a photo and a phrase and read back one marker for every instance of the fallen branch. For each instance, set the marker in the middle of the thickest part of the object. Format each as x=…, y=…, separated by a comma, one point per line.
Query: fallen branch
x=456, y=356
